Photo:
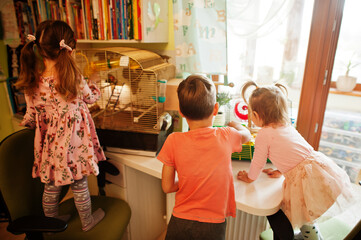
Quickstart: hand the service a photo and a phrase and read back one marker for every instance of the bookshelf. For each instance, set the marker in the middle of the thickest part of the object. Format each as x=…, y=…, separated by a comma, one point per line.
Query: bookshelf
x=96, y=23
x=101, y=21
x=20, y=17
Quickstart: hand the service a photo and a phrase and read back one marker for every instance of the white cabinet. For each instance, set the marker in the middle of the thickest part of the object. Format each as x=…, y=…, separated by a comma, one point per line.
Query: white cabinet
x=147, y=201
x=341, y=141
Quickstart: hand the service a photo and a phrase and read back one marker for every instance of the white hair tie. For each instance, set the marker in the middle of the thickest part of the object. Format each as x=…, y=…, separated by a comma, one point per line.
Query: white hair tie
x=63, y=45
x=31, y=37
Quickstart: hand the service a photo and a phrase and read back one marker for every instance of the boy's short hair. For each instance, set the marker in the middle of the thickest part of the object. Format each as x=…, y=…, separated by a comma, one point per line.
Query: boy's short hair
x=197, y=97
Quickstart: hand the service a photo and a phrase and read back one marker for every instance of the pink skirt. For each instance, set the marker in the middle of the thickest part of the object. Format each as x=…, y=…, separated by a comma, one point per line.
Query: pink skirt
x=312, y=187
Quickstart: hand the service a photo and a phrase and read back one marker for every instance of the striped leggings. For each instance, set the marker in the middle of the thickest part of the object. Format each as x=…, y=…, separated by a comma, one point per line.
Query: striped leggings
x=81, y=199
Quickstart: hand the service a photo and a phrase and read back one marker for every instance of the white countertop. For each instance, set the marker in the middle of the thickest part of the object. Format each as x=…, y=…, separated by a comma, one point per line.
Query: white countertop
x=261, y=197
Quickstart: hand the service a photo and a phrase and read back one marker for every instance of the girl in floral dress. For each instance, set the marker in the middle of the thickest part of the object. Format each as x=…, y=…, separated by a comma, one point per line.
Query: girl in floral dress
x=66, y=146
x=313, y=182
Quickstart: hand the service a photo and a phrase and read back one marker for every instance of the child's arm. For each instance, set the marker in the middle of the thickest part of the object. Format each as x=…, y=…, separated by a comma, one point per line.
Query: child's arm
x=29, y=117
x=90, y=91
x=169, y=184
x=246, y=135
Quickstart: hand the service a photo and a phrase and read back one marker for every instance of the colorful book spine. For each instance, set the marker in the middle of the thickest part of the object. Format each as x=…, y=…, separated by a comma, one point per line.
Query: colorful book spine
x=124, y=19
x=84, y=25
x=114, y=20
x=34, y=12
x=95, y=16
x=74, y=10
x=20, y=22
x=80, y=22
x=101, y=19
x=88, y=20
x=135, y=18
x=62, y=12
x=139, y=8
x=130, y=20
x=41, y=10
x=47, y=10
x=109, y=20
x=105, y=19
x=118, y=17
x=111, y=31
x=30, y=14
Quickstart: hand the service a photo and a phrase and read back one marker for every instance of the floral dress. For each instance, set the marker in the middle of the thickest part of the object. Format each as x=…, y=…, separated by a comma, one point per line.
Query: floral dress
x=66, y=146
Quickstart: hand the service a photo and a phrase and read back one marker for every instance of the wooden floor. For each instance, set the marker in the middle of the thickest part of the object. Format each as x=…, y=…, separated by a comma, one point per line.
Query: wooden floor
x=5, y=235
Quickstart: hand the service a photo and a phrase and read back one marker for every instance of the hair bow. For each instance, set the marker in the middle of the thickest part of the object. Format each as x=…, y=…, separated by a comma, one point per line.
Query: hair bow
x=64, y=45
x=31, y=37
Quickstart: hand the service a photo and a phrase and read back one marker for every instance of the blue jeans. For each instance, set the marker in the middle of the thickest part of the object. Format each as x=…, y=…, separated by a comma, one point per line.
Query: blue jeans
x=182, y=229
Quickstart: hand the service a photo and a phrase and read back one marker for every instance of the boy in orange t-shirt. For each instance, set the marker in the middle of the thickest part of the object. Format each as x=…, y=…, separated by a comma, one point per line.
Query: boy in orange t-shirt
x=202, y=159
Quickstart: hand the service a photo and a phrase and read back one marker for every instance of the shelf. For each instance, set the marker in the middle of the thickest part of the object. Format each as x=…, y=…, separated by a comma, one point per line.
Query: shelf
x=95, y=19
x=346, y=163
x=109, y=41
x=353, y=93
x=341, y=132
x=339, y=146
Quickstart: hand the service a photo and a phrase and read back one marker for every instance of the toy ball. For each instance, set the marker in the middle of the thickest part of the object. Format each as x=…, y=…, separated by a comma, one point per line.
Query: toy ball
x=241, y=111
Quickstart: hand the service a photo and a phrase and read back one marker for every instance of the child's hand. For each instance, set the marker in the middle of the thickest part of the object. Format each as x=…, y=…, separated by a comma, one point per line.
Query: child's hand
x=243, y=176
x=246, y=135
x=272, y=173
x=236, y=125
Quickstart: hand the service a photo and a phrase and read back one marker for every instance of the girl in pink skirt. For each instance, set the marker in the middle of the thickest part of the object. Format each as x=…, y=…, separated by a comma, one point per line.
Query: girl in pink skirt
x=66, y=146
x=313, y=182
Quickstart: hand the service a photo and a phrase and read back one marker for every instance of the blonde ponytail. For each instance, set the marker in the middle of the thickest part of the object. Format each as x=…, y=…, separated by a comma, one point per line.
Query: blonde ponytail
x=245, y=87
x=282, y=87
x=269, y=102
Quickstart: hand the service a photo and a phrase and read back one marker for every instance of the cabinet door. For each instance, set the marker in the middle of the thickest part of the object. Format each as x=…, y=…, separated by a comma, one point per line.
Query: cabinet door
x=147, y=202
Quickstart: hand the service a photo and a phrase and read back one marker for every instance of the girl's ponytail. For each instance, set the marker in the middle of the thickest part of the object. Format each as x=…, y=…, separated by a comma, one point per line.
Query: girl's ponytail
x=282, y=87
x=245, y=87
x=28, y=65
x=57, y=44
x=68, y=74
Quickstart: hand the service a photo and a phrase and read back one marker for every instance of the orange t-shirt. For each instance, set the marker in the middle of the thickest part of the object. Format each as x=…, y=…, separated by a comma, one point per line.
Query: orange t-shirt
x=202, y=159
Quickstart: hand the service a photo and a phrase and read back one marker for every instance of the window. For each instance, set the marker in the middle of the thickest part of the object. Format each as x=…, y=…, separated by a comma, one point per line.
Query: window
x=294, y=42
x=267, y=42
x=341, y=129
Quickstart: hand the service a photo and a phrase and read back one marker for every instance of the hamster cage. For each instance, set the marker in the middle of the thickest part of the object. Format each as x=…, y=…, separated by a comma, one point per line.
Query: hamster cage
x=130, y=111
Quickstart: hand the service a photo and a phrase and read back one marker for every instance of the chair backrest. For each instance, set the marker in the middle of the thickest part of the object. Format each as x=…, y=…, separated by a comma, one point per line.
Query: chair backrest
x=21, y=192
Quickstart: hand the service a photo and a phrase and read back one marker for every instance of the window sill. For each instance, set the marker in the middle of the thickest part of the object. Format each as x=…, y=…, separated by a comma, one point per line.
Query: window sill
x=353, y=93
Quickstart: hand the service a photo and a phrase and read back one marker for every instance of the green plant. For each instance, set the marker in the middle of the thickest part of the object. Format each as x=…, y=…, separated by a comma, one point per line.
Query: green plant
x=350, y=65
x=224, y=98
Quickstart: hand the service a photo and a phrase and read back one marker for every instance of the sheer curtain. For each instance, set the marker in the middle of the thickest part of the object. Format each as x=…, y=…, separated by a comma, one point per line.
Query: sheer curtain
x=257, y=18
x=259, y=33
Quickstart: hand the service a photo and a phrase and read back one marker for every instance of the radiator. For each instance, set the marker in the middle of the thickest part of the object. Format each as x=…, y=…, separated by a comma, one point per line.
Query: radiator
x=245, y=226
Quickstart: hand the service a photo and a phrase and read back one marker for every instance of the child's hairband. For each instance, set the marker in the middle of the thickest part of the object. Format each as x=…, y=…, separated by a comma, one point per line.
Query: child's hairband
x=31, y=37
x=64, y=45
